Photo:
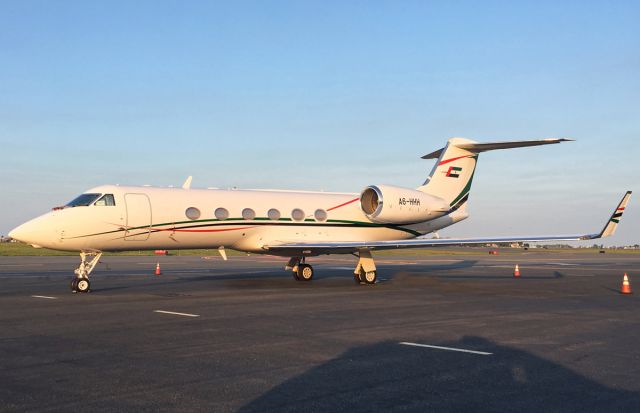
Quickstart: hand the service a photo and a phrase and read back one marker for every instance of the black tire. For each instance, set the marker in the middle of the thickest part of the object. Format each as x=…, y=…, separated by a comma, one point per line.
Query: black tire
x=83, y=285
x=295, y=275
x=305, y=272
x=369, y=277
x=74, y=285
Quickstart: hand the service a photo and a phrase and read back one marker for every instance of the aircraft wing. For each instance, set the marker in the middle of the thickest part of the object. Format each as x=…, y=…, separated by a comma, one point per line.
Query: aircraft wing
x=316, y=248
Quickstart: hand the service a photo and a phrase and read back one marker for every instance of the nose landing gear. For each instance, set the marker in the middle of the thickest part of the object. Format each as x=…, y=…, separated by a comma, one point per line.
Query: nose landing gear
x=80, y=283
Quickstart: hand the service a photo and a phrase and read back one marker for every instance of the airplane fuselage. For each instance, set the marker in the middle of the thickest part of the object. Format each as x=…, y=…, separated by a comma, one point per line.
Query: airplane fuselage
x=175, y=218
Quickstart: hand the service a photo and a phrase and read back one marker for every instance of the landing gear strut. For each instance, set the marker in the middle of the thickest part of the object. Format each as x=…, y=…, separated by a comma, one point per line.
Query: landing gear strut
x=301, y=270
x=365, y=272
x=80, y=283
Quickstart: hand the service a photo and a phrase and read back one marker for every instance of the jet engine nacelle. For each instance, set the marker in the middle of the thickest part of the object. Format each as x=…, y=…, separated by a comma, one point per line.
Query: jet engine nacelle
x=386, y=204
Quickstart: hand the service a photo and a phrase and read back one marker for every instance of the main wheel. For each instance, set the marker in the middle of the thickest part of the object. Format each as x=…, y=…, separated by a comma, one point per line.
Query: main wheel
x=369, y=277
x=74, y=285
x=83, y=285
x=305, y=272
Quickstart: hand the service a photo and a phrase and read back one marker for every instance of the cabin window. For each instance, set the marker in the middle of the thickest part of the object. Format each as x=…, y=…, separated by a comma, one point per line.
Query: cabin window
x=83, y=200
x=192, y=213
x=297, y=215
x=273, y=214
x=221, y=213
x=106, y=200
x=320, y=215
x=248, y=214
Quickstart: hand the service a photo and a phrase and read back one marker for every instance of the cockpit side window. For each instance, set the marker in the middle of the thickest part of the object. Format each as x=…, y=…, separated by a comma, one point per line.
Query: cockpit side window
x=106, y=200
x=83, y=200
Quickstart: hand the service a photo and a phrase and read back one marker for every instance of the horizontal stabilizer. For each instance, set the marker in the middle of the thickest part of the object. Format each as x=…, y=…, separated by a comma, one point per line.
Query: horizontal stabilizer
x=491, y=146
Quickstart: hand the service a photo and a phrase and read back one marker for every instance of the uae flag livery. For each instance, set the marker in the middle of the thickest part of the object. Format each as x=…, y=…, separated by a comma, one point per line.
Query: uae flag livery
x=454, y=171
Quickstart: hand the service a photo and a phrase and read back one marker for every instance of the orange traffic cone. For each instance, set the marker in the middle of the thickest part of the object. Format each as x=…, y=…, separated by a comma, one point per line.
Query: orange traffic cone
x=158, y=272
x=626, y=287
x=516, y=271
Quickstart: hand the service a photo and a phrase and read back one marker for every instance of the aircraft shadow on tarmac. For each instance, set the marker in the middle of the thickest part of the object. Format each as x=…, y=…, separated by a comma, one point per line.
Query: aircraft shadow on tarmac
x=389, y=376
x=276, y=278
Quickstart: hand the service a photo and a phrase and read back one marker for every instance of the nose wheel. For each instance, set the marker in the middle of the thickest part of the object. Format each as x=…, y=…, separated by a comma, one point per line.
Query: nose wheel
x=80, y=283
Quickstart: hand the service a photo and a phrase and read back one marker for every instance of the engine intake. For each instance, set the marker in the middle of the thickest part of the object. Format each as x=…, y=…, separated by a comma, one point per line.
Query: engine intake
x=386, y=204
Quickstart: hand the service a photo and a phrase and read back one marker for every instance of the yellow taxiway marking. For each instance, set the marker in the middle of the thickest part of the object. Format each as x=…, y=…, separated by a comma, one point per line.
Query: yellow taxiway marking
x=44, y=296
x=174, y=313
x=461, y=350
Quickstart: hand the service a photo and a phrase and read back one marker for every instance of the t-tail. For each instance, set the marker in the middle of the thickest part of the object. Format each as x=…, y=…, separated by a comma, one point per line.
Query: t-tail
x=452, y=175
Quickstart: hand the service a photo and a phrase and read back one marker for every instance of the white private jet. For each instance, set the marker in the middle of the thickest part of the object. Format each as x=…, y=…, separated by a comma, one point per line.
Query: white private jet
x=292, y=224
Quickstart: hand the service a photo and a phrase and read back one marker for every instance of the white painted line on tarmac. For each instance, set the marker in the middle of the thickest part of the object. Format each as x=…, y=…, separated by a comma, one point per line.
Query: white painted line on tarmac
x=562, y=263
x=174, y=313
x=461, y=350
x=21, y=265
x=44, y=296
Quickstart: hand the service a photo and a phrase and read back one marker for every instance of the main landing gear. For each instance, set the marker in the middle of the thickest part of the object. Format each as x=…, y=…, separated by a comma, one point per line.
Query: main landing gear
x=365, y=272
x=80, y=283
x=301, y=271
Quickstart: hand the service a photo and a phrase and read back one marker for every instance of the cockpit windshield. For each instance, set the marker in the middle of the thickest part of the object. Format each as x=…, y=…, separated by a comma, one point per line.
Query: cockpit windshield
x=83, y=200
x=106, y=200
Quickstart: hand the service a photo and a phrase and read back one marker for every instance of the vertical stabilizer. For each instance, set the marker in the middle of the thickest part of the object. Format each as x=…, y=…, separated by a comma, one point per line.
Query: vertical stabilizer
x=451, y=176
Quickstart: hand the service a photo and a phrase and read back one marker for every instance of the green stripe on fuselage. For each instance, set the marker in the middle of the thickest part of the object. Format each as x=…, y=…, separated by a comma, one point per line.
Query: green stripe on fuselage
x=240, y=221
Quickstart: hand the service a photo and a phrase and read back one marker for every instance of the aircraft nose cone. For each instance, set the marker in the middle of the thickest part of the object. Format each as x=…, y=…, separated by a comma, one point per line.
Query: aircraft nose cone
x=25, y=233
x=16, y=233
x=34, y=232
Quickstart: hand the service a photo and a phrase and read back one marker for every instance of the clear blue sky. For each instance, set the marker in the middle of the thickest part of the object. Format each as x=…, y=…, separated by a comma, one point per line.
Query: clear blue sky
x=324, y=95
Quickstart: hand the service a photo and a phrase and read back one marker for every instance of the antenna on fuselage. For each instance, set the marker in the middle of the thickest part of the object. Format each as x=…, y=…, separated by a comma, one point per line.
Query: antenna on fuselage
x=187, y=183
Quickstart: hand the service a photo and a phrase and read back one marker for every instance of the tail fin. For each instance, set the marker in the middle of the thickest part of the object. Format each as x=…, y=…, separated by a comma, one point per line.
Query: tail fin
x=451, y=176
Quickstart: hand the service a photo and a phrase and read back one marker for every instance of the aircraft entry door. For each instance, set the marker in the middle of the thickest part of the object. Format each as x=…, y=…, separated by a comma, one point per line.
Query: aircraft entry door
x=138, y=217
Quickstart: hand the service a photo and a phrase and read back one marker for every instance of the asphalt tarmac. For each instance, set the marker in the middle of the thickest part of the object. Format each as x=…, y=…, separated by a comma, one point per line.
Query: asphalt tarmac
x=437, y=333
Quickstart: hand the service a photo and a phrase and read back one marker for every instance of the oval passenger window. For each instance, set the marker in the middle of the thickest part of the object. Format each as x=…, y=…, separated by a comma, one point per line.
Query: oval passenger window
x=192, y=213
x=297, y=214
x=221, y=213
x=273, y=214
x=248, y=214
x=320, y=215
